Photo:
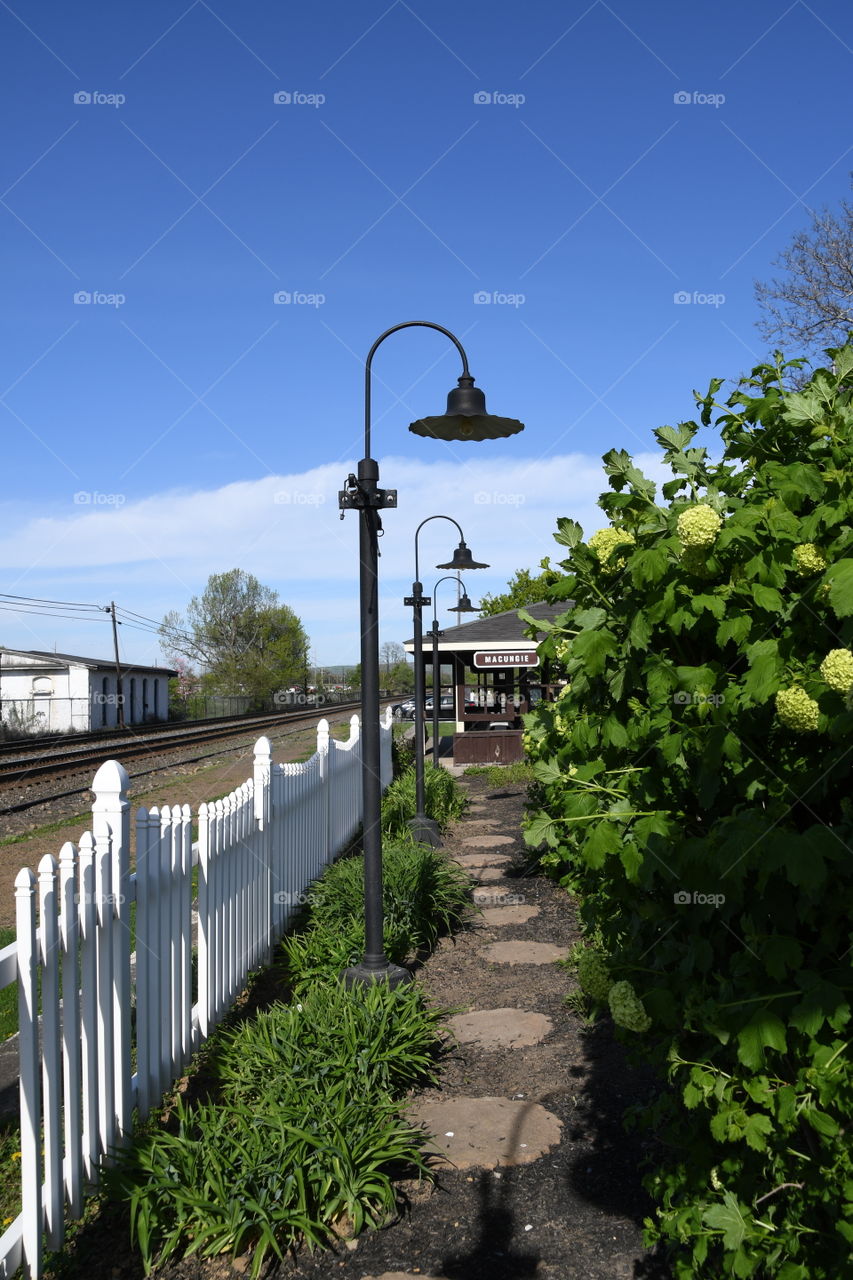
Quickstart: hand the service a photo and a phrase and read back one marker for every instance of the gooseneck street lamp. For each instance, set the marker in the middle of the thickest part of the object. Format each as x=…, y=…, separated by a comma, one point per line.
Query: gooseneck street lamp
x=423, y=828
x=464, y=606
x=465, y=419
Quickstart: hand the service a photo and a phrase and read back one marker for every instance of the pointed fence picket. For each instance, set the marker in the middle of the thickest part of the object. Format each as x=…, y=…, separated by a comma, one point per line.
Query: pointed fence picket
x=94, y=941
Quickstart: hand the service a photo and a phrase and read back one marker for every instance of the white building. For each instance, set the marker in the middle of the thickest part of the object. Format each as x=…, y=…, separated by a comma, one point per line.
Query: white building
x=54, y=692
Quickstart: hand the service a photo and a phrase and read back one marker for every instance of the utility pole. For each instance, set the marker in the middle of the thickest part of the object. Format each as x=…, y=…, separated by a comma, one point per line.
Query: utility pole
x=119, y=695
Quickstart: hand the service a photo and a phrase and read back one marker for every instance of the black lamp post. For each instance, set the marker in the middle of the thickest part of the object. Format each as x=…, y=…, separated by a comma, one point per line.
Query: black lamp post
x=464, y=606
x=423, y=828
x=466, y=419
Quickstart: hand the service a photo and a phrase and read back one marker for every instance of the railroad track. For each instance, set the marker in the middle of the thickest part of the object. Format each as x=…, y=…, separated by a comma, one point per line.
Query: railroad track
x=127, y=749
x=41, y=759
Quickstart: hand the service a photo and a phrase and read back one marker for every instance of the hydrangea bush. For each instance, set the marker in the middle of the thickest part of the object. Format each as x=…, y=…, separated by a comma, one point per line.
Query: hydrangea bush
x=693, y=789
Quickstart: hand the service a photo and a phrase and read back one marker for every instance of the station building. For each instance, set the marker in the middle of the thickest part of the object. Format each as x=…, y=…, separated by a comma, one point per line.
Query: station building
x=496, y=677
x=44, y=692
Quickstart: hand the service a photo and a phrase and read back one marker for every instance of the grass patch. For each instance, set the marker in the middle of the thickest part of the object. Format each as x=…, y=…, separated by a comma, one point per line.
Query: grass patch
x=443, y=800
x=499, y=775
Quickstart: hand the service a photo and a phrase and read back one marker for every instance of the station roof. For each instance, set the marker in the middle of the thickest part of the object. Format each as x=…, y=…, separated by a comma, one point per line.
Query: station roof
x=48, y=658
x=499, y=632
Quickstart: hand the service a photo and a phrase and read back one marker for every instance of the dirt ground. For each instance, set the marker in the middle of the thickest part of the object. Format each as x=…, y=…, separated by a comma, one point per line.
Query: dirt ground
x=576, y=1212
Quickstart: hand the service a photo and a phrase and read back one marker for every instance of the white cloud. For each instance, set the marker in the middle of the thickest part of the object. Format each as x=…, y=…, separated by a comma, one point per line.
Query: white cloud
x=153, y=554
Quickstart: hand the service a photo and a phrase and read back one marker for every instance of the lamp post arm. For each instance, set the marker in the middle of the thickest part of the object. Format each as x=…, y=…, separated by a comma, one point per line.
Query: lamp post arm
x=407, y=324
x=426, y=521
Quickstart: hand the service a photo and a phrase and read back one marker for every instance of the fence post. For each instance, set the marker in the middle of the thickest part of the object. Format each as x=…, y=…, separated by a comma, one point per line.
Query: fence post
x=262, y=773
x=323, y=751
x=111, y=821
x=28, y=1052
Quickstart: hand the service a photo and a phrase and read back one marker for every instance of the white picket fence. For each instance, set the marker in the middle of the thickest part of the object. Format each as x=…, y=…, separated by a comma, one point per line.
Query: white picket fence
x=257, y=852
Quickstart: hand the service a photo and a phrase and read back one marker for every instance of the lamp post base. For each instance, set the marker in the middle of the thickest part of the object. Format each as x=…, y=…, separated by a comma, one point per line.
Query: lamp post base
x=364, y=975
x=425, y=830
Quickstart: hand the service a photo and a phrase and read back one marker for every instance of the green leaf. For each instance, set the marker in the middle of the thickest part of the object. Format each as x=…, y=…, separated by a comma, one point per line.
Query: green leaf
x=737, y=629
x=604, y=838
x=589, y=619
x=764, y=1030
x=713, y=604
x=547, y=771
x=540, y=830
x=591, y=650
x=539, y=623
x=820, y=1122
x=765, y=670
x=802, y=408
x=569, y=532
x=780, y=955
x=648, y=566
x=640, y=631
x=768, y=598
x=839, y=576
x=758, y=1126
x=728, y=1219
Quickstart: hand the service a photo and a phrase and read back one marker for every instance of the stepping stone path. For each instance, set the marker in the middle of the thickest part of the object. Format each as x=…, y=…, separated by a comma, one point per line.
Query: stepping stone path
x=523, y=1122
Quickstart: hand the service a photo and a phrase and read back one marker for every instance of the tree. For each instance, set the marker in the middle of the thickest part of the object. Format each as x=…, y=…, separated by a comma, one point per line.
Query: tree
x=401, y=677
x=811, y=306
x=523, y=588
x=353, y=677
x=244, y=641
x=391, y=653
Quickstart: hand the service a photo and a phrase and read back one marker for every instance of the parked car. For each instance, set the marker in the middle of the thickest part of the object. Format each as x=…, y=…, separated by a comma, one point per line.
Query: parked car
x=406, y=710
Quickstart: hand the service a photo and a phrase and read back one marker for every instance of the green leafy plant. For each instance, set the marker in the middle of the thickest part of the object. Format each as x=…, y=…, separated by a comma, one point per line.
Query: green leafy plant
x=692, y=788
x=443, y=800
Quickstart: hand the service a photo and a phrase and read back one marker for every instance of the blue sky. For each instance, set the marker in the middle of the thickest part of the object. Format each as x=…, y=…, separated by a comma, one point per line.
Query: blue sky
x=580, y=165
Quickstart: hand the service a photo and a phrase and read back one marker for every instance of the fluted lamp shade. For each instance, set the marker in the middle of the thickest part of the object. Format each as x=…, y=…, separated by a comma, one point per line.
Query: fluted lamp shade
x=462, y=559
x=466, y=417
x=464, y=605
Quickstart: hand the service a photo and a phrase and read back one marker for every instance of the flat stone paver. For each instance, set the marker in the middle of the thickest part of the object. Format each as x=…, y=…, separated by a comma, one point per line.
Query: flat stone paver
x=500, y=1028
x=490, y=874
x=497, y=898
x=481, y=859
x=524, y=953
x=483, y=1133
x=487, y=842
x=508, y=915
x=401, y=1275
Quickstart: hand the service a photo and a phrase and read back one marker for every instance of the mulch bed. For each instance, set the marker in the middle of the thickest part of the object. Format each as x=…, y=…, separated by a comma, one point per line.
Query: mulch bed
x=575, y=1212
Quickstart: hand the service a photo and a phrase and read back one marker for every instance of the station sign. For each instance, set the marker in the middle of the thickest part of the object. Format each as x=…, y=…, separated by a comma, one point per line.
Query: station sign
x=506, y=658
